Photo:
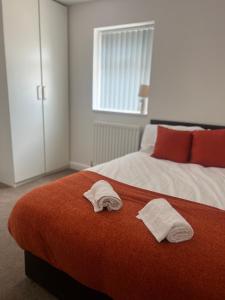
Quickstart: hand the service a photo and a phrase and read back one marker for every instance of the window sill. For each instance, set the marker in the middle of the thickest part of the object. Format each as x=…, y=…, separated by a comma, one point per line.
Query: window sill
x=121, y=112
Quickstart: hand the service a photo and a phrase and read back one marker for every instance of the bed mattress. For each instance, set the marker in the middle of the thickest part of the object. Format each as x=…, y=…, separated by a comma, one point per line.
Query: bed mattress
x=187, y=181
x=114, y=252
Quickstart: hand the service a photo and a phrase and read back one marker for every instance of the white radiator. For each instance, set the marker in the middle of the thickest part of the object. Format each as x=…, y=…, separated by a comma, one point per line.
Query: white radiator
x=112, y=140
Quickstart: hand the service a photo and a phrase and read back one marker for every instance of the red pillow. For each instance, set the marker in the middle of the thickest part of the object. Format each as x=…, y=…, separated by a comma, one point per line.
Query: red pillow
x=173, y=145
x=208, y=148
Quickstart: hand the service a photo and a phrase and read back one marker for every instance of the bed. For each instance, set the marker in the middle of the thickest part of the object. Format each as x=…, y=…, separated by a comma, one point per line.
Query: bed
x=96, y=260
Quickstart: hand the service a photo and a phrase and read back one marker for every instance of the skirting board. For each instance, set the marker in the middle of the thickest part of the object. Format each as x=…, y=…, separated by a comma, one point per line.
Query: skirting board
x=78, y=166
x=17, y=184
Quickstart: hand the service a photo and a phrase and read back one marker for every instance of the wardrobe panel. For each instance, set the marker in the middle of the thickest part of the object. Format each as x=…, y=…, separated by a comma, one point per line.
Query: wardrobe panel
x=22, y=47
x=54, y=43
x=6, y=162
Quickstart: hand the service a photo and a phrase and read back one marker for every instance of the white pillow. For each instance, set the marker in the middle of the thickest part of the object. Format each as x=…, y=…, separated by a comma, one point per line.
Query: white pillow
x=150, y=134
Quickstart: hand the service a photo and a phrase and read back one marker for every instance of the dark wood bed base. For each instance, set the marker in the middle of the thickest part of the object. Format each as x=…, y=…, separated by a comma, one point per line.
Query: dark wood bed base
x=59, y=283
x=177, y=123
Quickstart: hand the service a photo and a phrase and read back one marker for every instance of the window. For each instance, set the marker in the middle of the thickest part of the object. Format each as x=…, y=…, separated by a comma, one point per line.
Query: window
x=122, y=63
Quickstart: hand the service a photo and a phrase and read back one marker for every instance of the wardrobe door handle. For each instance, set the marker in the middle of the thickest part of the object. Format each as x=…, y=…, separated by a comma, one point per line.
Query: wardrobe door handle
x=44, y=92
x=39, y=92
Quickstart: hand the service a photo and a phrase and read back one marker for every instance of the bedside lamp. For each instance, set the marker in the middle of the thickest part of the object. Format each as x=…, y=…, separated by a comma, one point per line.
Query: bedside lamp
x=143, y=94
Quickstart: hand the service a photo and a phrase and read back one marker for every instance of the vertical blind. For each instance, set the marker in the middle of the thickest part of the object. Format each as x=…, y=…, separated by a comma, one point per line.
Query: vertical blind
x=123, y=63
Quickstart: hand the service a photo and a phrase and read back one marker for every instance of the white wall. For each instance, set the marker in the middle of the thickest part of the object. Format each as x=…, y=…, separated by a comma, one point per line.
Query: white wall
x=6, y=164
x=188, y=72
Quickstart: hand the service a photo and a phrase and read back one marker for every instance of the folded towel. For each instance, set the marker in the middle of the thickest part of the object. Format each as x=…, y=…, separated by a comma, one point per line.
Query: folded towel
x=165, y=222
x=103, y=195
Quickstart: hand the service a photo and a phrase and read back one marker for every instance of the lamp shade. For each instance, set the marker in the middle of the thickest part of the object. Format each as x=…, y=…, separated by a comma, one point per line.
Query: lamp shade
x=144, y=91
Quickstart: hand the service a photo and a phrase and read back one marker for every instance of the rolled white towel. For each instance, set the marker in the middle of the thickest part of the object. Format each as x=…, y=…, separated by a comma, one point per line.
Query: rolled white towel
x=165, y=222
x=102, y=195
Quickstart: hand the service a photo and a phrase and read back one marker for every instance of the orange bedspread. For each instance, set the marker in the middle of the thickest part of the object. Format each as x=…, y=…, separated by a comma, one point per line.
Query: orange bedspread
x=114, y=252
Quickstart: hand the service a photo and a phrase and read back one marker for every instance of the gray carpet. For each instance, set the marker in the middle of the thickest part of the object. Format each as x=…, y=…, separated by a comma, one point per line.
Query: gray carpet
x=13, y=283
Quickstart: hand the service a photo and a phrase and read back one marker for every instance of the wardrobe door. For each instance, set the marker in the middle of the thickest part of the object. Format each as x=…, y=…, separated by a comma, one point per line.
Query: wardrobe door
x=54, y=45
x=22, y=49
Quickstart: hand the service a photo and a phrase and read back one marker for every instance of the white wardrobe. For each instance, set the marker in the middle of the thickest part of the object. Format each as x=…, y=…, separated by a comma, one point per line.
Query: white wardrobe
x=34, y=112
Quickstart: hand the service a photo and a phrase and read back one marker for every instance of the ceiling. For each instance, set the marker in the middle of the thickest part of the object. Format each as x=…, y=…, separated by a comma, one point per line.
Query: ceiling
x=69, y=2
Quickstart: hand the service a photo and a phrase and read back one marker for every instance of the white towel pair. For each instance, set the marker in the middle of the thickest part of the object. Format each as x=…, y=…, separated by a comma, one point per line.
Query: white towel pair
x=165, y=222
x=102, y=195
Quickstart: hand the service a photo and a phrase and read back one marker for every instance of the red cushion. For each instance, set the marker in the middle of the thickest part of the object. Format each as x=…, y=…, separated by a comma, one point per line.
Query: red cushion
x=208, y=148
x=173, y=145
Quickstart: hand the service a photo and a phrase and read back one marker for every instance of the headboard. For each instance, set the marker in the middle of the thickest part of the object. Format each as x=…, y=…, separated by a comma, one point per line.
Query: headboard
x=177, y=123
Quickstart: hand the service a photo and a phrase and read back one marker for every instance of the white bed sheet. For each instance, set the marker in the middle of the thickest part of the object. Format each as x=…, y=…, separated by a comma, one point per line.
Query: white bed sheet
x=187, y=181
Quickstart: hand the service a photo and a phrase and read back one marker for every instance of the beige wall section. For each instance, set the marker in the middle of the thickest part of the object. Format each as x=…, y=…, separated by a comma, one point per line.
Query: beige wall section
x=188, y=70
x=6, y=164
